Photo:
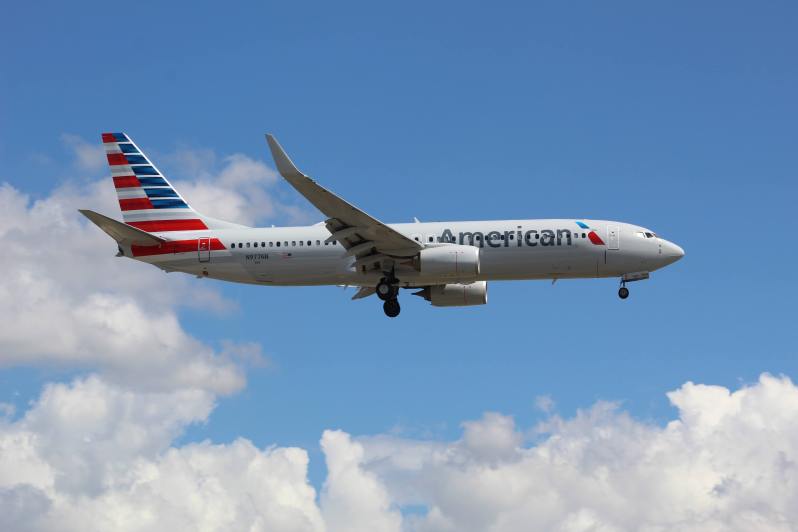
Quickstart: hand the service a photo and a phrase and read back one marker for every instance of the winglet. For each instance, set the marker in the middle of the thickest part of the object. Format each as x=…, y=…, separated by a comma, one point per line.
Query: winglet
x=284, y=164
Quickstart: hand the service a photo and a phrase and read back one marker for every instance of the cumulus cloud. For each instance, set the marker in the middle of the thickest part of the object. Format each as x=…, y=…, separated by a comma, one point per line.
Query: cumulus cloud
x=728, y=462
x=94, y=456
x=354, y=499
x=88, y=155
x=68, y=300
x=91, y=455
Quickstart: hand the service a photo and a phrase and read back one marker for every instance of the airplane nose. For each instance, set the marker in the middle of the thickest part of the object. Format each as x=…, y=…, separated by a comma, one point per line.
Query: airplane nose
x=672, y=251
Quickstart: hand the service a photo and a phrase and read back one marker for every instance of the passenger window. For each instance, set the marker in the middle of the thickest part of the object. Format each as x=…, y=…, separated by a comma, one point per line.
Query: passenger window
x=583, y=235
x=501, y=237
x=293, y=242
x=309, y=242
x=285, y=243
x=256, y=244
x=430, y=239
x=247, y=244
x=278, y=244
x=240, y=245
x=318, y=243
x=511, y=236
x=263, y=244
x=300, y=242
x=271, y=244
x=233, y=245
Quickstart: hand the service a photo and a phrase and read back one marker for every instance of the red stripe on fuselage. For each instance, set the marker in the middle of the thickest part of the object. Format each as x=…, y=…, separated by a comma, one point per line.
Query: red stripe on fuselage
x=135, y=204
x=176, y=246
x=156, y=226
x=115, y=159
x=126, y=181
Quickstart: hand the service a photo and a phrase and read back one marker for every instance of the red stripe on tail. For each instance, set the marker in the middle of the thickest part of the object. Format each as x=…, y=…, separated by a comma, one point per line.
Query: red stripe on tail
x=156, y=226
x=135, y=204
x=115, y=159
x=126, y=181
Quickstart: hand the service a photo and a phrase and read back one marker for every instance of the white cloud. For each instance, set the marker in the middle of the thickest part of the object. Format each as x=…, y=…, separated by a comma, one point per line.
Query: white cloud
x=95, y=456
x=729, y=462
x=68, y=300
x=88, y=155
x=353, y=499
x=92, y=455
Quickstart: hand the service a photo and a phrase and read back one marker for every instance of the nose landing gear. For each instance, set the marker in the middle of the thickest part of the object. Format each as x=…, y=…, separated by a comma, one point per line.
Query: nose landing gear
x=623, y=292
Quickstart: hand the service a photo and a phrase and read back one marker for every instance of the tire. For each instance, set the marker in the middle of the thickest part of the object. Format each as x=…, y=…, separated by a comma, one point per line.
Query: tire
x=623, y=292
x=391, y=308
x=386, y=291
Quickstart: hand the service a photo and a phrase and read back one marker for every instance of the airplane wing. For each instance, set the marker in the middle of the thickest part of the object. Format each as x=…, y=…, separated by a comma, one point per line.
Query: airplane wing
x=122, y=233
x=363, y=236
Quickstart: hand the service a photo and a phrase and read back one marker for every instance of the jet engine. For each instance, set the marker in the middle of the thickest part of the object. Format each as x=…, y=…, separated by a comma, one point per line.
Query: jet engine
x=456, y=295
x=455, y=262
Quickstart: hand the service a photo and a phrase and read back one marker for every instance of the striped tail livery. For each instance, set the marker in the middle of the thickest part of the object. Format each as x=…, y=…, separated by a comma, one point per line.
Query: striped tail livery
x=147, y=199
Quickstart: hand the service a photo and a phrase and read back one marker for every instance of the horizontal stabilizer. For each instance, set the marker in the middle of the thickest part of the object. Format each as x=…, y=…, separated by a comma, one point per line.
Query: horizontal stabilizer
x=122, y=233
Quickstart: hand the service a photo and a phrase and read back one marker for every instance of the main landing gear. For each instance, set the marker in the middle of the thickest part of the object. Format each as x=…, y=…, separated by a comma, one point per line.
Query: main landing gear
x=387, y=290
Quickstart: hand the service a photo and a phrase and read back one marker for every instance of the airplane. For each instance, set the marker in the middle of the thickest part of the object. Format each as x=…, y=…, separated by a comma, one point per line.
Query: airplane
x=448, y=263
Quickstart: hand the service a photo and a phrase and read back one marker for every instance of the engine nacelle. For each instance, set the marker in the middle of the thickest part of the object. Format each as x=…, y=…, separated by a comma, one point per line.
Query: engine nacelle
x=455, y=262
x=456, y=295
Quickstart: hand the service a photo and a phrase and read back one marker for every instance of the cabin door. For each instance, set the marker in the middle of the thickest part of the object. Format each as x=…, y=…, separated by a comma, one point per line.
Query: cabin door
x=204, y=249
x=613, y=237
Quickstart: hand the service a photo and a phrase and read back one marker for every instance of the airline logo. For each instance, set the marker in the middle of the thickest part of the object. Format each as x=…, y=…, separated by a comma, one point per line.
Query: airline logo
x=592, y=235
x=147, y=200
x=521, y=237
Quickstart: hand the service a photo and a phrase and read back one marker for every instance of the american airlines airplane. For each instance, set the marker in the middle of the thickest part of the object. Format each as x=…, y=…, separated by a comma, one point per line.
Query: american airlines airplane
x=448, y=263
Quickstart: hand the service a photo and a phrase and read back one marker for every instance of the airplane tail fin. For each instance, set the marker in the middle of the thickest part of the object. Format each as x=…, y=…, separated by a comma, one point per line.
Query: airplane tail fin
x=148, y=201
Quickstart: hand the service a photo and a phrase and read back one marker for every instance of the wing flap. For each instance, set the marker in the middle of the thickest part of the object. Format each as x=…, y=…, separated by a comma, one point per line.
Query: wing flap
x=364, y=291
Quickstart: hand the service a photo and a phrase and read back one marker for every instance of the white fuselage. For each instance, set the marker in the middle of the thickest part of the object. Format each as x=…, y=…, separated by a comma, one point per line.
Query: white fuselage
x=509, y=250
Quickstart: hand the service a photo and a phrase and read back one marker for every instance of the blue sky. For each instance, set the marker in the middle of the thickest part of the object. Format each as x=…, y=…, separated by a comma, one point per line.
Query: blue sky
x=676, y=116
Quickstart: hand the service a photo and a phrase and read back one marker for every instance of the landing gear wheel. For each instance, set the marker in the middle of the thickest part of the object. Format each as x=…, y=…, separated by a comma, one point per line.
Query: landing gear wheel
x=386, y=291
x=623, y=292
x=391, y=308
